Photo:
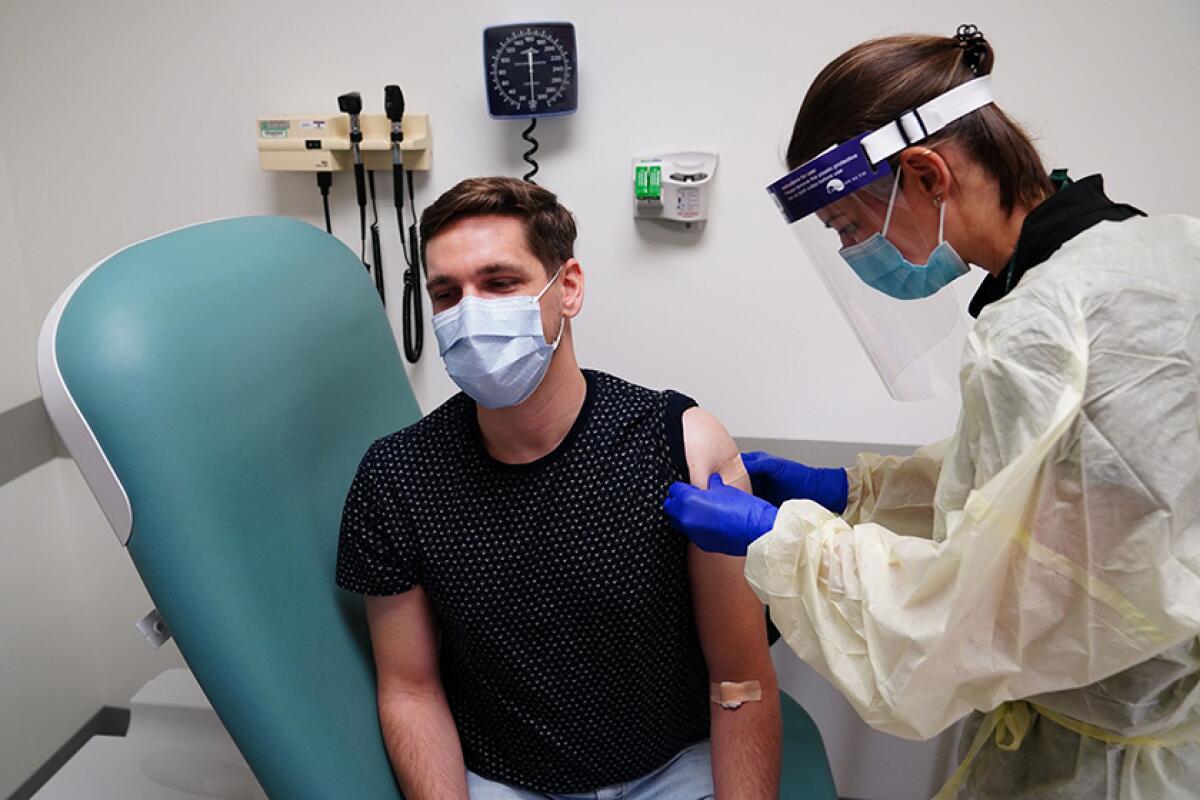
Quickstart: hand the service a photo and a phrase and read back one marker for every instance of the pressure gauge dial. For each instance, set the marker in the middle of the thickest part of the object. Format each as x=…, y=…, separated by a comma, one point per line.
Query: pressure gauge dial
x=531, y=70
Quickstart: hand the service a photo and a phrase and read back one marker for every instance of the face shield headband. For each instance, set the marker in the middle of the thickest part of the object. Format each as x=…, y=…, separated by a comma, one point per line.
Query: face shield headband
x=852, y=165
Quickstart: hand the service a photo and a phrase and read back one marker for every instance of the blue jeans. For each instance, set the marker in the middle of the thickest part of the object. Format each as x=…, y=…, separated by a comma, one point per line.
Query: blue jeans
x=687, y=776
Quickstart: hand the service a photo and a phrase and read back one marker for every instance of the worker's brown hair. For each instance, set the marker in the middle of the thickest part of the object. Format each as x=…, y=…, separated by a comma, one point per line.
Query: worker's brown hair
x=876, y=82
x=549, y=226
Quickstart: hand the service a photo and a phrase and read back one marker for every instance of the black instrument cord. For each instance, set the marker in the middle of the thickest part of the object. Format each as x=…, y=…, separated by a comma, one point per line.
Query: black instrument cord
x=528, y=157
x=324, y=181
x=361, y=190
x=376, y=245
x=414, y=327
x=413, y=314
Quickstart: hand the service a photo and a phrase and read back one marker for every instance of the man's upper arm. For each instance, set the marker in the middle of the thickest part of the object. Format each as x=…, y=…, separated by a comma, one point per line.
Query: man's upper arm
x=710, y=449
x=404, y=638
x=729, y=616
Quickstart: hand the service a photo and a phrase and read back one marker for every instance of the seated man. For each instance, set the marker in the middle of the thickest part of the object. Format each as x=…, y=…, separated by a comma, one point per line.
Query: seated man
x=538, y=626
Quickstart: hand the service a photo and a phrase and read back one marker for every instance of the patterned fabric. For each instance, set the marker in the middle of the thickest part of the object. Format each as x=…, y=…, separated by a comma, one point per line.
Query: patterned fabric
x=569, y=654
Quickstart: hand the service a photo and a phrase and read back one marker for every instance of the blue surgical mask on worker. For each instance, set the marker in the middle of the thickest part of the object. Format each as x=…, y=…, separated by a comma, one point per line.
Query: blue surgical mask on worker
x=882, y=266
x=495, y=348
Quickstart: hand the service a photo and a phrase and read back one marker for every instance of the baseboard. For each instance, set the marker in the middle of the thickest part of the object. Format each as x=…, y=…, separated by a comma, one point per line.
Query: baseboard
x=108, y=721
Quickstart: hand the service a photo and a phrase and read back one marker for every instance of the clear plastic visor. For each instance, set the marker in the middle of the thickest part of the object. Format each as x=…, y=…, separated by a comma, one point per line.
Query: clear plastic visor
x=916, y=345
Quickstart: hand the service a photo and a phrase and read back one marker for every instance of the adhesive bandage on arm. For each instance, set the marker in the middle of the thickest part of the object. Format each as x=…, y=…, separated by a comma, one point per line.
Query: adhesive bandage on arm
x=732, y=470
x=730, y=695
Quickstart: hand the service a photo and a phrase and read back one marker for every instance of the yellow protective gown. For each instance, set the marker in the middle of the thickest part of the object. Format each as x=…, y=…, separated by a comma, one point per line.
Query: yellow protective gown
x=1049, y=551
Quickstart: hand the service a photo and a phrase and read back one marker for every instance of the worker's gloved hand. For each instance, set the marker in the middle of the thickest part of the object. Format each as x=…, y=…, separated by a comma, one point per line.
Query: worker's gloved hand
x=778, y=480
x=723, y=519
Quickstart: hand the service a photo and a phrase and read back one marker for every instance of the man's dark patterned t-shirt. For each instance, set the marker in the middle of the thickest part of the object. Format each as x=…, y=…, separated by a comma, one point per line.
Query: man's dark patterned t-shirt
x=569, y=654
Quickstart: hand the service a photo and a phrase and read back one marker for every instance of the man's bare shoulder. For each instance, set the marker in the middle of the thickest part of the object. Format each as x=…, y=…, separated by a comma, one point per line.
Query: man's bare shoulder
x=711, y=449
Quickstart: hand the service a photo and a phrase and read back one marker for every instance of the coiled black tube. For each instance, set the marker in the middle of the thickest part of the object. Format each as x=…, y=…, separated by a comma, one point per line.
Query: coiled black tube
x=528, y=157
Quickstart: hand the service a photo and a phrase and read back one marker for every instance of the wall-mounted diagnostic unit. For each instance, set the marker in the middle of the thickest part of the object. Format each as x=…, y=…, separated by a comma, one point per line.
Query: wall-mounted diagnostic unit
x=321, y=142
x=395, y=142
x=673, y=186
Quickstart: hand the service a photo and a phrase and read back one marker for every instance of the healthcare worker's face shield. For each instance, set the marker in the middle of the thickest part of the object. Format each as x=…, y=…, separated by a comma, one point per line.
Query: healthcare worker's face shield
x=884, y=261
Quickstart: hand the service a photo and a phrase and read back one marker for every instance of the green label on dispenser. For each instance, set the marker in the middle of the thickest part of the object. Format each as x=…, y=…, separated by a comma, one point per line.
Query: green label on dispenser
x=648, y=181
x=273, y=128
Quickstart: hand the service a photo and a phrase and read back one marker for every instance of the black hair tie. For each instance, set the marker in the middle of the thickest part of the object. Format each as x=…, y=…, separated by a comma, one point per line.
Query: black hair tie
x=974, y=46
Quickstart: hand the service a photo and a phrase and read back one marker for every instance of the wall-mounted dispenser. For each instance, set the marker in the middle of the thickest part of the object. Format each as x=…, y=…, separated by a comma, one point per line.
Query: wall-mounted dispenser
x=673, y=186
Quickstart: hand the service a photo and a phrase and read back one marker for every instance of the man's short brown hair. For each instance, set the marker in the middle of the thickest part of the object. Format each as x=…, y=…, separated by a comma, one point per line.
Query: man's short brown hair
x=549, y=226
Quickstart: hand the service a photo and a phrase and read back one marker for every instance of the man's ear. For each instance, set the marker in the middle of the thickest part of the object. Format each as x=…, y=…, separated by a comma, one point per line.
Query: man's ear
x=927, y=173
x=572, y=288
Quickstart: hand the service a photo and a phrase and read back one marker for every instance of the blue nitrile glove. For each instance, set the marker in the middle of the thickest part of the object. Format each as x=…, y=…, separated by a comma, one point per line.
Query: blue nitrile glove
x=778, y=480
x=723, y=519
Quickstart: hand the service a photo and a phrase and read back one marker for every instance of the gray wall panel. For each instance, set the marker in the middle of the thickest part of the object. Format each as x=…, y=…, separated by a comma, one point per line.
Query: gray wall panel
x=820, y=454
x=27, y=440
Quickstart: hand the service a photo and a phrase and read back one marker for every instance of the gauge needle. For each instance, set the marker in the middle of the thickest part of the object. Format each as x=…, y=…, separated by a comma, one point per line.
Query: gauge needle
x=532, y=83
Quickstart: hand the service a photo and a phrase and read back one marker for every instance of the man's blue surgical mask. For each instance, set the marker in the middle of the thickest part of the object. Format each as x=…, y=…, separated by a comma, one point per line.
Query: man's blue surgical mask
x=882, y=266
x=495, y=349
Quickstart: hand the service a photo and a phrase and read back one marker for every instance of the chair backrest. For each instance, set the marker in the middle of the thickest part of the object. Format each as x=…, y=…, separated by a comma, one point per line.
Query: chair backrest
x=218, y=385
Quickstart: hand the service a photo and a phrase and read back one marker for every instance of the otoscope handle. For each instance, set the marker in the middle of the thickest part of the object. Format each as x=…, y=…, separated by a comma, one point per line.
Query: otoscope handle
x=360, y=185
x=398, y=184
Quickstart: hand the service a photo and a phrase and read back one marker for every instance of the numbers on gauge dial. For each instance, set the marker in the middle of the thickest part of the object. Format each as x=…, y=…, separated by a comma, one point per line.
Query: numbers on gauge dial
x=531, y=70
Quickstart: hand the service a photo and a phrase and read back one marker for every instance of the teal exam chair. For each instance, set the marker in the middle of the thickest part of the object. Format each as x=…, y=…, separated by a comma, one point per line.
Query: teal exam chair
x=217, y=386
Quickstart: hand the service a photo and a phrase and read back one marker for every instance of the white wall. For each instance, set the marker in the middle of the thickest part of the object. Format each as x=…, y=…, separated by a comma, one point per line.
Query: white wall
x=46, y=689
x=128, y=117
x=18, y=381
x=44, y=695
x=124, y=118
x=68, y=602
x=68, y=595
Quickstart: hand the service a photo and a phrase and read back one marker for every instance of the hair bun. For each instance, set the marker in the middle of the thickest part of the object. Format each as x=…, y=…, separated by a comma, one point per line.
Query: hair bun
x=976, y=50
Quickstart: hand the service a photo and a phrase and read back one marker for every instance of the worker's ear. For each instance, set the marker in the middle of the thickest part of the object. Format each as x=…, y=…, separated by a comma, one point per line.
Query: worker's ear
x=926, y=174
x=572, y=288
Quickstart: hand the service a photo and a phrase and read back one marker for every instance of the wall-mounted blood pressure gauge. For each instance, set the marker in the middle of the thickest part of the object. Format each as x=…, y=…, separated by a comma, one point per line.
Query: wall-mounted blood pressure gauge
x=531, y=70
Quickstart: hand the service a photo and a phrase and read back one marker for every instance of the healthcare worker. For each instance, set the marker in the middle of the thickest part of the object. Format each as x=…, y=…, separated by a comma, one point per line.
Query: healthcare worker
x=1041, y=568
